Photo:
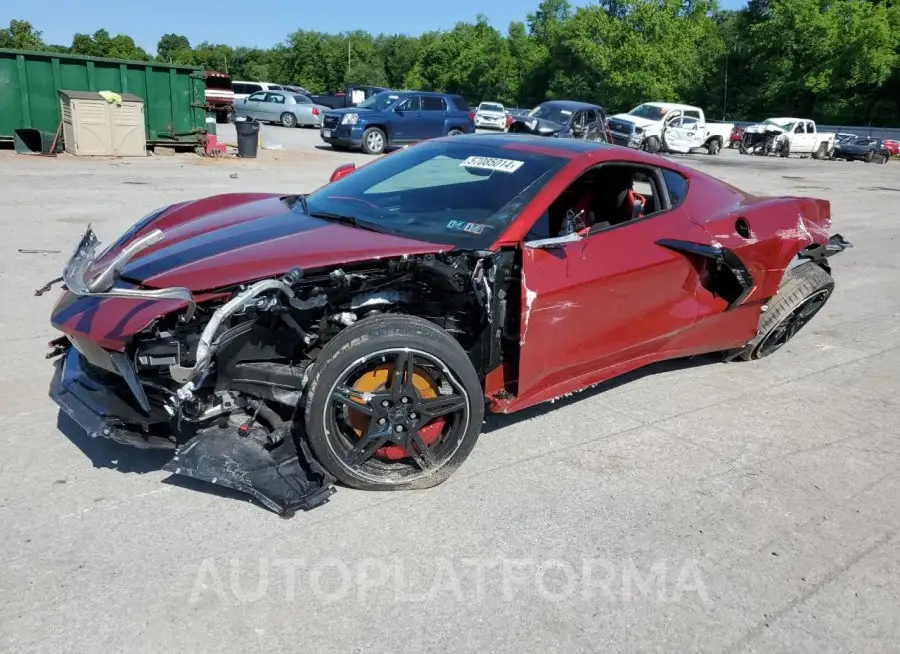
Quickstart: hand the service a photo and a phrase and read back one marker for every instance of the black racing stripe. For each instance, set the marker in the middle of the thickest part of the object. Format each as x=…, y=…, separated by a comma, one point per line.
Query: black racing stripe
x=221, y=241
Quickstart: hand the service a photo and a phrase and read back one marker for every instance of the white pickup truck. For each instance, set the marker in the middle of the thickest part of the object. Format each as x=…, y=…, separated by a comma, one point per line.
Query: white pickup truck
x=787, y=136
x=668, y=127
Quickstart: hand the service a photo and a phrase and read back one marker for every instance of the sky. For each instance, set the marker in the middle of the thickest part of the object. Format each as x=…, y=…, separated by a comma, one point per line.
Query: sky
x=256, y=24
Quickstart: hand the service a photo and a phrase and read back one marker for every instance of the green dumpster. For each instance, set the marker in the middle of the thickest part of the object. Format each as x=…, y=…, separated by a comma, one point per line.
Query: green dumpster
x=174, y=96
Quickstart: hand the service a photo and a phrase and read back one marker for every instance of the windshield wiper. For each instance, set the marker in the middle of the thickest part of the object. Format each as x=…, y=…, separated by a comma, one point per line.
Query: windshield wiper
x=341, y=218
x=302, y=200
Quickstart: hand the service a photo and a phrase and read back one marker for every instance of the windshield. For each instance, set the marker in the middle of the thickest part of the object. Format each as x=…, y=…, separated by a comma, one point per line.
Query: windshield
x=380, y=101
x=489, y=106
x=780, y=124
x=449, y=193
x=648, y=111
x=553, y=113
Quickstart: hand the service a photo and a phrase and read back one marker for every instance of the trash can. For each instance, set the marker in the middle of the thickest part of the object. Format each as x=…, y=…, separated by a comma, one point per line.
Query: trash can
x=247, y=138
x=35, y=141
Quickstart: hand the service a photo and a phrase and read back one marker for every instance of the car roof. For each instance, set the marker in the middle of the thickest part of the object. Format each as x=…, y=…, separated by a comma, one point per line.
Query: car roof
x=570, y=104
x=542, y=142
x=670, y=105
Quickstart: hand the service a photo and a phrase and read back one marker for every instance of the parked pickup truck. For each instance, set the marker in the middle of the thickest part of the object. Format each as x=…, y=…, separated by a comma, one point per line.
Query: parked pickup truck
x=668, y=127
x=393, y=118
x=351, y=96
x=787, y=136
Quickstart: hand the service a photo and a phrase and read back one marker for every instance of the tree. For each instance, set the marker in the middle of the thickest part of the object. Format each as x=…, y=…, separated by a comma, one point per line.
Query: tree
x=831, y=60
x=170, y=45
x=21, y=35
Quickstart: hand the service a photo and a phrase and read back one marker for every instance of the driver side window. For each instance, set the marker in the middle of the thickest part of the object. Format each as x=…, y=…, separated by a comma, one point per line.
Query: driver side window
x=603, y=197
x=412, y=103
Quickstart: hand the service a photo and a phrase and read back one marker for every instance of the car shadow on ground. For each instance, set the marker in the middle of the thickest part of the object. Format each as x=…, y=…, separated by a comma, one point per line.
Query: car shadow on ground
x=495, y=421
x=104, y=453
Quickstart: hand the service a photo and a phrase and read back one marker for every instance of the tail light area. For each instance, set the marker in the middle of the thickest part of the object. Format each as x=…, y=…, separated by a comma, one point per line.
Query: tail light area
x=315, y=111
x=471, y=117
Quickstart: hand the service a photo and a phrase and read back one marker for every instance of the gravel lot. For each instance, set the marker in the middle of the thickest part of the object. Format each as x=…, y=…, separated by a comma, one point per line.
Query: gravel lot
x=702, y=506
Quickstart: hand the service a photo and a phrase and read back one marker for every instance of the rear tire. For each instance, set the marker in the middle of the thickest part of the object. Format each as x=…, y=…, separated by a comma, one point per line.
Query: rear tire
x=714, y=146
x=288, y=119
x=881, y=158
x=455, y=132
x=821, y=152
x=803, y=292
x=375, y=345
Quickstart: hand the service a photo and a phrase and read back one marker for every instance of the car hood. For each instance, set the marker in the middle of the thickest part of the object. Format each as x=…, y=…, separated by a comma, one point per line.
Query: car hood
x=763, y=128
x=635, y=120
x=540, y=126
x=227, y=240
x=352, y=110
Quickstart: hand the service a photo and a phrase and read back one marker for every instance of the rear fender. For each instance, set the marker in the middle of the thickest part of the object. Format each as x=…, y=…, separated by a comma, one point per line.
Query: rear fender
x=769, y=234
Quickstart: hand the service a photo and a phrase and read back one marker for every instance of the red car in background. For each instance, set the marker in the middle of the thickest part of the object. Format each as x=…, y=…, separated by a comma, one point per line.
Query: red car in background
x=737, y=135
x=892, y=146
x=280, y=342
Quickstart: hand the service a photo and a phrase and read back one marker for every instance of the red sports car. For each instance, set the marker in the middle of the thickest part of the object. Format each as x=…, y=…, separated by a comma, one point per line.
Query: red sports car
x=359, y=333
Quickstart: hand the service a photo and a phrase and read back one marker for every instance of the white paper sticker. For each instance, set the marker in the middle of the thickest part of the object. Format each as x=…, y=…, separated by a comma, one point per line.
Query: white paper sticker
x=490, y=163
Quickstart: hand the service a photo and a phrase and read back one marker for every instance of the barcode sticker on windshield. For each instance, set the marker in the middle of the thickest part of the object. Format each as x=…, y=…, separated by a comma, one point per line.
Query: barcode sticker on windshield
x=489, y=163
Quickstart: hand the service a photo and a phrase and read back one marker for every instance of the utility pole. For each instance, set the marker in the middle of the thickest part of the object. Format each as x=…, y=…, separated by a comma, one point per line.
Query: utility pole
x=725, y=94
x=348, y=58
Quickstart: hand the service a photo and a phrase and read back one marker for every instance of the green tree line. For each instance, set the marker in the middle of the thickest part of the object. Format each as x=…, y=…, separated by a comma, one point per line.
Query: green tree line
x=832, y=60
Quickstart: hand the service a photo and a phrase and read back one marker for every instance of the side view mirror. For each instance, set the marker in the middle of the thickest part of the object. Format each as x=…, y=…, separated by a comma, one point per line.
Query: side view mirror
x=342, y=171
x=245, y=100
x=558, y=241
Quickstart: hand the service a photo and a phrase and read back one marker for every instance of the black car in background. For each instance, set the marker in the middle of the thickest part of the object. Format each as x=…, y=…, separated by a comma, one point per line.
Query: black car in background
x=869, y=150
x=564, y=119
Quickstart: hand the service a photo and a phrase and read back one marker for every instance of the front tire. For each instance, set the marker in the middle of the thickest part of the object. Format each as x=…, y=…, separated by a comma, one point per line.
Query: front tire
x=374, y=141
x=651, y=145
x=394, y=403
x=803, y=292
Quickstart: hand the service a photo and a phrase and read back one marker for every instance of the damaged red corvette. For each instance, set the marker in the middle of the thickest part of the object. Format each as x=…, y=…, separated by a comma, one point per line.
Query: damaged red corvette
x=358, y=334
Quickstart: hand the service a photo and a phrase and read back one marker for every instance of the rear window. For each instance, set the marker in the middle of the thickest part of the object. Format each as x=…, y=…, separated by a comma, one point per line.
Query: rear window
x=461, y=194
x=302, y=99
x=459, y=102
x=240, y=87
x=432, y=103
x=489, y=106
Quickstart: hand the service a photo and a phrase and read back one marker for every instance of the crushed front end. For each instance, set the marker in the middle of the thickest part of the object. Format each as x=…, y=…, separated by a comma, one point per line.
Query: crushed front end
x=219, y=376
x=135, y=366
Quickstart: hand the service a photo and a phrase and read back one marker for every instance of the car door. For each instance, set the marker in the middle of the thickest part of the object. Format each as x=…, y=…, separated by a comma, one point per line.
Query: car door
x=617, y=299
x=800, y=140
x=683, y=135
x=433, y=122
x=405, y=120
x=255, y=105
x=274, y=106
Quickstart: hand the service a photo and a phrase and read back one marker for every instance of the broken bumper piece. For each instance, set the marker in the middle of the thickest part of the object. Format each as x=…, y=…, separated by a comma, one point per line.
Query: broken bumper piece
x=284, y=479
